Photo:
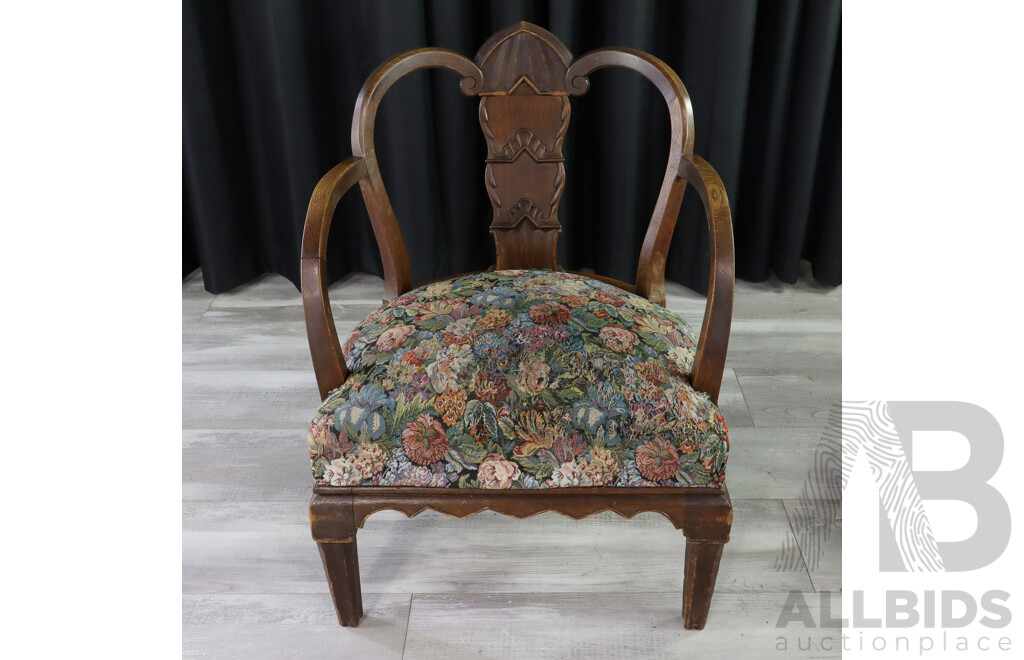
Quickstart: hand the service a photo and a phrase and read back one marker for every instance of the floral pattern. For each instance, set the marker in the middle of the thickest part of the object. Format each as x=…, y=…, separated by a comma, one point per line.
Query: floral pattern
x=519, y=379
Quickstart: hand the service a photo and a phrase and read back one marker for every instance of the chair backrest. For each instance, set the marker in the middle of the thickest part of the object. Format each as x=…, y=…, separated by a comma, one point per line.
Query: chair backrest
x=524, y=77
x=524, y=113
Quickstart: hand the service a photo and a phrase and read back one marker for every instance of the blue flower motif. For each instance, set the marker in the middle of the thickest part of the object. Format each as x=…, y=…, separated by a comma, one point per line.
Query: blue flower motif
x=602, y=404
x=499, y=296
x=488, y=345
x=530, y=482
x=629, y=476
x=360, y=413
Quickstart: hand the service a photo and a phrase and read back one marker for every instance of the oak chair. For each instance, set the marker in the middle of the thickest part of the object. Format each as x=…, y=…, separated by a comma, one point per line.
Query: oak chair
x=525, y=388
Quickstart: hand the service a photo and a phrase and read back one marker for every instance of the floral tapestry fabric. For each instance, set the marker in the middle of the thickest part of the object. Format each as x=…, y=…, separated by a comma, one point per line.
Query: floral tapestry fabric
x=519, y=379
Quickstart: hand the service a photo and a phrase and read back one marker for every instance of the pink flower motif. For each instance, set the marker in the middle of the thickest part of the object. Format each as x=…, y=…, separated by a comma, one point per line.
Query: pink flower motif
x=424, y=440
x=533, y=376
x=657, y=459
x=393, y=337
x=618, y=338
x=351, y=343
x=496, y=471
x=609, y=299
x=549, y=313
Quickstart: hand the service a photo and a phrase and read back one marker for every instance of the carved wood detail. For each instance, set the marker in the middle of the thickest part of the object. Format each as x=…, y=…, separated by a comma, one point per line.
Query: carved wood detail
x=524, y=114
x=702, y=513
x=523, y=50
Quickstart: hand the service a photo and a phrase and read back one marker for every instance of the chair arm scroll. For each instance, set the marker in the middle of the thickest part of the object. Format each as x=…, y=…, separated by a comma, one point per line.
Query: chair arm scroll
x=328, y=359
x=709, y=363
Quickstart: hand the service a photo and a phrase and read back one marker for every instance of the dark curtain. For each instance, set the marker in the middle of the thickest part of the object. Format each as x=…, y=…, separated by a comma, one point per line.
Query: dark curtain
x=269, y=88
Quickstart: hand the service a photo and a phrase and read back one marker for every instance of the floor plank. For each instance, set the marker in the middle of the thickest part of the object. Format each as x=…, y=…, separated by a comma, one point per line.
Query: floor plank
x=603, y=625
x=273, y=290
x=194, y=298
x=291, y=626
x=770, y=463
x=731, y=402
x=252, y=399
x=818, y=529
x=790, y=399
x=245, y=465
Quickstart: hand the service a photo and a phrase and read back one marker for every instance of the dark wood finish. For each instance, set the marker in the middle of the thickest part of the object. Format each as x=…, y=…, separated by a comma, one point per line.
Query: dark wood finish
x=709, y=363
x=701, y=513
x=330, y=519
x=524, y=113
x=524, y=77
x=397, y=273
x=650, y=275
x=701, y=571
x=328, y=360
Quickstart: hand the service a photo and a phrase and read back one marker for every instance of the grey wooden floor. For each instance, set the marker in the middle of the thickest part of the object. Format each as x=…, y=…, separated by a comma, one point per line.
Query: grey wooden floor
x=488, y=586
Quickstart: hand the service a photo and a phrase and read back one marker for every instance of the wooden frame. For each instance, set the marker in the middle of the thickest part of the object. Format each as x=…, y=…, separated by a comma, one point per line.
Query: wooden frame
x=524, y=77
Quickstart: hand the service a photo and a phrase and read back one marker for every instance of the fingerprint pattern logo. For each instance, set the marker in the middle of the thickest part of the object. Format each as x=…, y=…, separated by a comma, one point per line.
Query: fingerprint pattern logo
x=819, y=511
x=868, y=427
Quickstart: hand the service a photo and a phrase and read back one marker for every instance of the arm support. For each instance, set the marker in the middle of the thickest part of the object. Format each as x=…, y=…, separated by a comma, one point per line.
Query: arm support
x=394, y=256
x=650, y=272
x=683, y=167
x=328, y=360
x=709, y=363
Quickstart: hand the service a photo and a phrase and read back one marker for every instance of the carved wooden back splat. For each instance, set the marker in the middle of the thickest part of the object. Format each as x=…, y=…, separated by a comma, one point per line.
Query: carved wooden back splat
x=524, y=113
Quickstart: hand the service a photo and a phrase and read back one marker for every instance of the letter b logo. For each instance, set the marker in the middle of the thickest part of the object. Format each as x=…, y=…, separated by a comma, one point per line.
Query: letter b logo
x=883, y=430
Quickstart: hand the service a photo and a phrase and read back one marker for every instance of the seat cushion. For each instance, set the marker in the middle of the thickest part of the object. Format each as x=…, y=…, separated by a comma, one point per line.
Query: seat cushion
x=519, y=379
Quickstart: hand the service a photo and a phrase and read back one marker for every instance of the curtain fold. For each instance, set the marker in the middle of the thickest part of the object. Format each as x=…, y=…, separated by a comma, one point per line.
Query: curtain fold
x=269, y=87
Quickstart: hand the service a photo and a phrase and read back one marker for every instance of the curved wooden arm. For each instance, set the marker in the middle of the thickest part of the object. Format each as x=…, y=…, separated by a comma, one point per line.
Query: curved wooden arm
x=650, y=272
x=395, y=257
x=328, y=360
x=709, y=363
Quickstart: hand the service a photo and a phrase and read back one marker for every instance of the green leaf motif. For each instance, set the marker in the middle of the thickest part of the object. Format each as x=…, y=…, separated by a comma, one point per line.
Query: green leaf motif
x=435, y=324
x=473, y=453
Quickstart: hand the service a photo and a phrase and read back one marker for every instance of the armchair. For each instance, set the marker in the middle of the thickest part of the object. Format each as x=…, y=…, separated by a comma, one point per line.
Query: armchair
x=526, y=388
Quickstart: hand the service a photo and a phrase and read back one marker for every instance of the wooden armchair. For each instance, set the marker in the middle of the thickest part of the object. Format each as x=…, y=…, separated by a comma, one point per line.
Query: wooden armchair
x=525, y=388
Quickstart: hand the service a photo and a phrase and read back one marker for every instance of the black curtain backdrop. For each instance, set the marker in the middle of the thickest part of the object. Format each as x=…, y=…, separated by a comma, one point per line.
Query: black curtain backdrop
x=269, y=88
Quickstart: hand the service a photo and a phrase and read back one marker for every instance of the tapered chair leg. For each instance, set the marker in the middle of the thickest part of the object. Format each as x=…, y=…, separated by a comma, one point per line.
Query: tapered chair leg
x=702, y=559
x=334, y=530
x=341, y=563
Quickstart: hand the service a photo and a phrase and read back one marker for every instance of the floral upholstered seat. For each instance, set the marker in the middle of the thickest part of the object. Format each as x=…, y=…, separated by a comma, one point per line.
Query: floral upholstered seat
x=519, y=379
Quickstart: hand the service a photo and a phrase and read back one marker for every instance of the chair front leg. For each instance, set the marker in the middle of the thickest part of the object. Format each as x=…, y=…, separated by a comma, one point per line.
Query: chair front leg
x=341, y=563
x=706, y=524
x=335, y=534
x=702, y=559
